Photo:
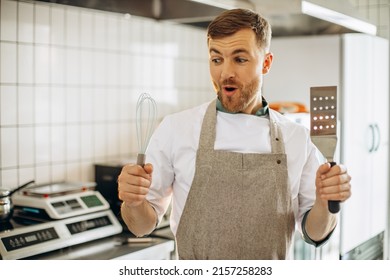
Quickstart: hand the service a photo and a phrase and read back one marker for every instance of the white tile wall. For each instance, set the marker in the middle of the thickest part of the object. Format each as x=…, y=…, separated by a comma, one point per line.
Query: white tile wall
x=42, y=24
x=8, y=52
x=8, y=106
x=25, y=23
x=8, y=13
x=26, y=150
x=25, y=64
x=70, y=79
x=9, y=147
x=26, y=105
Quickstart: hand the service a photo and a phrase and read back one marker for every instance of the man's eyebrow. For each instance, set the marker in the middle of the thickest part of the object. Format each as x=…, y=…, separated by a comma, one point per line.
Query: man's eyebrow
x=240, y=51
x=215, y=50
x=234, y=52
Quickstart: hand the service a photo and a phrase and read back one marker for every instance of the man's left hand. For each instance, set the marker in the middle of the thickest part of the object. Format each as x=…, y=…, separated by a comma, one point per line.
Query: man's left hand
x=333, y=183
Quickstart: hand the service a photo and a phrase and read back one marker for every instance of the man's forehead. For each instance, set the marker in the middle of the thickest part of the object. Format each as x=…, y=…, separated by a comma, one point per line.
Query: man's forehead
x=242, y=40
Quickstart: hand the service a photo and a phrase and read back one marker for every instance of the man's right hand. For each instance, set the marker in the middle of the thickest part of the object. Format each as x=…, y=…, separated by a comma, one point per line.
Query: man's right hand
x=133, y=186
x=134, y=183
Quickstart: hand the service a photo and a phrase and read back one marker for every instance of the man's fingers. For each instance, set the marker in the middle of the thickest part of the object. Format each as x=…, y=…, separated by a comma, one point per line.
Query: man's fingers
x=148, y=168
x=137, y=170
x=333, y=183
x=335, y=180
x=339, y=192
x=326, y=171
x=134, y=182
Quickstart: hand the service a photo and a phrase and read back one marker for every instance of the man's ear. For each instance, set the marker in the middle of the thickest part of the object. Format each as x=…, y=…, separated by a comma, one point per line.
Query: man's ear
x=267, y=62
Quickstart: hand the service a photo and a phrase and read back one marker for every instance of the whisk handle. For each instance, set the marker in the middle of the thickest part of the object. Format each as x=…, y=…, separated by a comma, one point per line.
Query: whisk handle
x=141, y=159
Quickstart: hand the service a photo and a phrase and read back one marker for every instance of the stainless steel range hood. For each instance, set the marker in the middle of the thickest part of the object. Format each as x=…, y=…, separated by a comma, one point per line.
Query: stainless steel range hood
x=295, y=17
x=298, y=17
x=287, y=17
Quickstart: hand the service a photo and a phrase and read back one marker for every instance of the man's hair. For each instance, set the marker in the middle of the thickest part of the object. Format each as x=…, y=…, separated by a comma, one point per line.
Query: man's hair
x=231, y=21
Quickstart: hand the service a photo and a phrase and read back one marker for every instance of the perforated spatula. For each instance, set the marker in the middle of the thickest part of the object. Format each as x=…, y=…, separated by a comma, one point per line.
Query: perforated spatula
x=323, y=126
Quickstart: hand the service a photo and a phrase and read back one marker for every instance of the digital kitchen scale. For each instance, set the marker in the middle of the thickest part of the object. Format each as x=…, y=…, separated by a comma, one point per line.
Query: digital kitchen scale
x=56, y=216
x=60, y=200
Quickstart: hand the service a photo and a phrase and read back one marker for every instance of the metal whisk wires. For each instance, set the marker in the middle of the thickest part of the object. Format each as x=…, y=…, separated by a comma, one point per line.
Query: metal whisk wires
x=146, y=116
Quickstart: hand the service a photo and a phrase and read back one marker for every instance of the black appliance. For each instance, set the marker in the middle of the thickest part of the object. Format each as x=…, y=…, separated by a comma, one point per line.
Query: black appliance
x=106, y=176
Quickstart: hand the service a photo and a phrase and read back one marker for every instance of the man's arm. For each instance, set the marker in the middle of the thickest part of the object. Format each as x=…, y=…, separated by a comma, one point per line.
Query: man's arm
x=332, y=183
x=319, y=223
x=141, y=220
x=133, y=186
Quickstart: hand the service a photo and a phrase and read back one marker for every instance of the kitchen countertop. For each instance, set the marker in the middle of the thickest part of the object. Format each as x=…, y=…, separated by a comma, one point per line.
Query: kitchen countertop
x=114, y=247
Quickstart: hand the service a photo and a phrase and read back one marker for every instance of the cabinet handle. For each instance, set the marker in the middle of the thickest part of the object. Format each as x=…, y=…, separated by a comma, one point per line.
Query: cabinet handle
x=378, y=138
x=372, y=148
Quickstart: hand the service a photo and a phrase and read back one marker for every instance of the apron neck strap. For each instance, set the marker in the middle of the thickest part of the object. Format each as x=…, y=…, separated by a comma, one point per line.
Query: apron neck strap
x=277, y=144
x=208, y=132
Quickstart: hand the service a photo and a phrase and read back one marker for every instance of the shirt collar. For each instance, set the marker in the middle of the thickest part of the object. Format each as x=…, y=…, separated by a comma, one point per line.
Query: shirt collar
x=263, y=111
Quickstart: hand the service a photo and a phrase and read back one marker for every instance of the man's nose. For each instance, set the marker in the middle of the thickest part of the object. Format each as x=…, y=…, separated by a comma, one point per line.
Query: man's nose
x=228, y=71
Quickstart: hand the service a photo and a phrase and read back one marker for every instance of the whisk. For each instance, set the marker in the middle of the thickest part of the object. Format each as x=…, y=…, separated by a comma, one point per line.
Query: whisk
x=145, y=122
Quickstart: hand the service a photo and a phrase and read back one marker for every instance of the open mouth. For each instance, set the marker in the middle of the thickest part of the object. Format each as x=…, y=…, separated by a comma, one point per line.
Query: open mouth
x=229, y=90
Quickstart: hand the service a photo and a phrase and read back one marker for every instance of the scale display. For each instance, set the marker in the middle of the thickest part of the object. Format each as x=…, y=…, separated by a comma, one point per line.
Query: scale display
x=24, y=240
x=77, y=227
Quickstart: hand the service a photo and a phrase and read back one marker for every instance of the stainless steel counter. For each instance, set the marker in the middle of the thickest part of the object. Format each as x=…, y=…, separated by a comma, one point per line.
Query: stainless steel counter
x=114, y=247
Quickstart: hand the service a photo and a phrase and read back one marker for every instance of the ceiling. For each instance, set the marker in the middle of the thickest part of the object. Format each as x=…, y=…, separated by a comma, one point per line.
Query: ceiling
x=287, y=17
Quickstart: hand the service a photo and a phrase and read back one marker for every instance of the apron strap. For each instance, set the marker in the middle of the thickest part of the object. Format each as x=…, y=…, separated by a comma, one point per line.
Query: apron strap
x=277, y=144
x=207, y=137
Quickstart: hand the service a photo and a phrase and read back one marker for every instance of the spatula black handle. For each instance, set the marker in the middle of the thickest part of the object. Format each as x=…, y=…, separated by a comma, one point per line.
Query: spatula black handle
x=333, y=205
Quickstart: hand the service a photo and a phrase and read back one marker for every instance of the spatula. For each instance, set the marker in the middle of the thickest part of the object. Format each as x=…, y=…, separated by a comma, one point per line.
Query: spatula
x=323, y=126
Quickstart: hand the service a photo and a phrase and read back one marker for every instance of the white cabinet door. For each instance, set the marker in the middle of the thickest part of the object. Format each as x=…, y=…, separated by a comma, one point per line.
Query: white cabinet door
x=364, y=137
x=357, y=139
x=380, y=119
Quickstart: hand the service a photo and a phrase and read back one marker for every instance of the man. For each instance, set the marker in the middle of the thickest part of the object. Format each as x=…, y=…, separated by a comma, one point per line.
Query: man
x=240, y=175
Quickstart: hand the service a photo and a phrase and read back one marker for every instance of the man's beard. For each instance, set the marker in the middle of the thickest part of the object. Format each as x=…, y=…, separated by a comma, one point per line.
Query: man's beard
x=241, y=99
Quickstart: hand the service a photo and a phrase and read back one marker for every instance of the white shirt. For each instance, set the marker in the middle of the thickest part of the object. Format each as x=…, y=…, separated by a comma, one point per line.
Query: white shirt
x=173, y=146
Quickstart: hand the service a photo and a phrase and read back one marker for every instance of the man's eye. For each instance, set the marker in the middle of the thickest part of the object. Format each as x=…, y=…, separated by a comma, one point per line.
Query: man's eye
x=241, y=60
x=216, y=60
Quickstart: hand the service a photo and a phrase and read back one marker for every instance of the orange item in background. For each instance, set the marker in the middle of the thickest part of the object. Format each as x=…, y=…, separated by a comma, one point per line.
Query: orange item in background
x=288, y=107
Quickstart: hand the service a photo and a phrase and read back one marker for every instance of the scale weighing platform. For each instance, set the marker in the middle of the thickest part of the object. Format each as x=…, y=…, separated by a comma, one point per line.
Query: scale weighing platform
x=60, y=200
x=56, y=216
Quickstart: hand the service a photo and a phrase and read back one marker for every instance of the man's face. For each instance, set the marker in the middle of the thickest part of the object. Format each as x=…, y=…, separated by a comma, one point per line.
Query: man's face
x=236, y=68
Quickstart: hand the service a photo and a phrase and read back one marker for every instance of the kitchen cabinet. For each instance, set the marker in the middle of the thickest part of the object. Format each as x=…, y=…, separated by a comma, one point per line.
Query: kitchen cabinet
x=358, y=65
x=365, y=119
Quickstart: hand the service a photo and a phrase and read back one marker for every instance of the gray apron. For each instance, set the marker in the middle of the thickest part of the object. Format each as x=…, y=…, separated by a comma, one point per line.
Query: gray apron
x=239, y=205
